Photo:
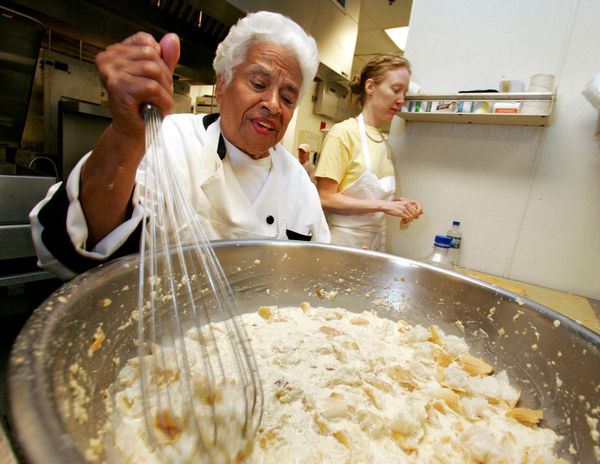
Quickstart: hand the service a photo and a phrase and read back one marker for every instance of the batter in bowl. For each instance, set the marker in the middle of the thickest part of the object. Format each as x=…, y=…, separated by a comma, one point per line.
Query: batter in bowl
x=344, y=387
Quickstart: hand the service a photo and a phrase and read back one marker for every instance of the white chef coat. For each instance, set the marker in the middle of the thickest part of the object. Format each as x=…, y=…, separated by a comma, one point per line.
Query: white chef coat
x=287, y=205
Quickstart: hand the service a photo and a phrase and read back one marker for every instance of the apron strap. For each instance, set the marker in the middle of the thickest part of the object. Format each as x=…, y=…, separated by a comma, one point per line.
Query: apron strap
x=363, y=140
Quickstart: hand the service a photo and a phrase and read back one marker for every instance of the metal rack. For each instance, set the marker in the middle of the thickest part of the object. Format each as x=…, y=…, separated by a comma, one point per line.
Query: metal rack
x=519, y=119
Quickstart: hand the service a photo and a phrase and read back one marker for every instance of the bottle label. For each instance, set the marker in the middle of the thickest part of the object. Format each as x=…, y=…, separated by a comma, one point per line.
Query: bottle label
x=455, y=242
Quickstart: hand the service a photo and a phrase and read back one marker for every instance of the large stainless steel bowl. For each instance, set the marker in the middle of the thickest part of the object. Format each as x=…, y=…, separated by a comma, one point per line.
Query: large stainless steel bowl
x=555, y=361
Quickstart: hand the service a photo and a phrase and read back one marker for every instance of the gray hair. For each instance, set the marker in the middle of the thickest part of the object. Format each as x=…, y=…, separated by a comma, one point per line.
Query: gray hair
x=265, y=26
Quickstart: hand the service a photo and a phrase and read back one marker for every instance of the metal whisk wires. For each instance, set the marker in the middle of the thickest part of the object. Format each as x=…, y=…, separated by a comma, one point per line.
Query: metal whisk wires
x=201, y=391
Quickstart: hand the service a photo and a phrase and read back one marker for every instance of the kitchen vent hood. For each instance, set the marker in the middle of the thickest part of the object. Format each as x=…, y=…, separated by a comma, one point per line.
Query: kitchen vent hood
x=200, y=24
x=20, y=38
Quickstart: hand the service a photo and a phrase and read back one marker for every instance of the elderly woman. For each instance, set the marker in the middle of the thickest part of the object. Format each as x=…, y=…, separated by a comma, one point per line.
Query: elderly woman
x=243, y=184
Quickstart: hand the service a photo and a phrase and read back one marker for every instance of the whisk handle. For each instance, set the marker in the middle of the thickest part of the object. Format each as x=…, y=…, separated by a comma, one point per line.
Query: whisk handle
x=147, y=109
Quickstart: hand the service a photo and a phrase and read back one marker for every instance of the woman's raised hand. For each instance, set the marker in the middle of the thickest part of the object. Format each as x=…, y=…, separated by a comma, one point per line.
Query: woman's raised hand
x=136, y=71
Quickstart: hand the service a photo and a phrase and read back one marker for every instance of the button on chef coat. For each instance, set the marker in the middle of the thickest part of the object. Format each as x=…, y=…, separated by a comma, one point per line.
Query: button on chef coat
x=252, y=175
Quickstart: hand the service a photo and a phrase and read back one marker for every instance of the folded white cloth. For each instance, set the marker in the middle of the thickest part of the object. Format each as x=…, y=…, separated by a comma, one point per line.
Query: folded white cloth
x=592, y=92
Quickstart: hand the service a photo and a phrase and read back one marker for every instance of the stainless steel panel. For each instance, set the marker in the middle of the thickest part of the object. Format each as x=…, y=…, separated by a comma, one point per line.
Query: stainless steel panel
x=24, y=278
x=287, y=273
x=20, y=39
x=18, y=196
x=16, y=242
x=81, y=125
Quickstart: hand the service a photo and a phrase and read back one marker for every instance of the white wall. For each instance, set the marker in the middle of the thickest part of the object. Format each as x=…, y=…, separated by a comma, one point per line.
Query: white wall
x=528, y=197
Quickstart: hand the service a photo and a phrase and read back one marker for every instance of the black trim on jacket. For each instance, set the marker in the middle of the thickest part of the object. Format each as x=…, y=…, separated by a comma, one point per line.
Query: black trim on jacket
x=207, y=121
x=291, y=235
x=53, y=218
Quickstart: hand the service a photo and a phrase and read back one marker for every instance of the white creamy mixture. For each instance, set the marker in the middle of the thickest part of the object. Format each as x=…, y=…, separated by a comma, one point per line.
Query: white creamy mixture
x=342, y=387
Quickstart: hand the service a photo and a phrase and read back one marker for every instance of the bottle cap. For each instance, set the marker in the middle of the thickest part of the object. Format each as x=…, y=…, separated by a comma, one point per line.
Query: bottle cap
x=456, y=223
x=442, y=241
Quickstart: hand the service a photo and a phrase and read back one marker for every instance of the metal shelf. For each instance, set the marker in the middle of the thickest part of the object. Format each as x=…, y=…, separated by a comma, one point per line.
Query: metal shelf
x=517, y=119
x=491, y=96
x=479, y=118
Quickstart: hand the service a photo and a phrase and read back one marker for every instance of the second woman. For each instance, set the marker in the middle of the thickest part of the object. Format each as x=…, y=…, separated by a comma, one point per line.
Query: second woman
x=355, y=174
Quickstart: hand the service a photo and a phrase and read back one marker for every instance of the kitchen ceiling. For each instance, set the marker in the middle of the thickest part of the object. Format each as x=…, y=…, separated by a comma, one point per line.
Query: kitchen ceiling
x=201, y=25
x=98, y=23
x=375, y=17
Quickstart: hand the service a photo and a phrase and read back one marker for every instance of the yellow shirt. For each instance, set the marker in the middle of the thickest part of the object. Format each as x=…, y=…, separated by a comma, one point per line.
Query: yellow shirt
x=341, y=157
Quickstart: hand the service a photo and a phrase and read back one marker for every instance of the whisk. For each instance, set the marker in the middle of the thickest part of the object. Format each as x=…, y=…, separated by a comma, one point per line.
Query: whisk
x=201, y=394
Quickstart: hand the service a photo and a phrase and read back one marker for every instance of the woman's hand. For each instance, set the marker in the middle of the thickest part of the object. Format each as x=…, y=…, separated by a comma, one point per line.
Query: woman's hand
x=137, y=71
x=406, y=209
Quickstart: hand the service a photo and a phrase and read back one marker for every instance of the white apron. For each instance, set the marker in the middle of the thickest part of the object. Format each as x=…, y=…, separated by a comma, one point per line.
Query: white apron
x=231, y=214
x=363, y=230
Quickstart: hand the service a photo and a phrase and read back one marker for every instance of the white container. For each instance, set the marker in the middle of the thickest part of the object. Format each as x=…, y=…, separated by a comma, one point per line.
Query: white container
x=543, y=81
x=537, y=89
x=506, y=107
x=456, y=235
x=465, y=107
x=481, y=107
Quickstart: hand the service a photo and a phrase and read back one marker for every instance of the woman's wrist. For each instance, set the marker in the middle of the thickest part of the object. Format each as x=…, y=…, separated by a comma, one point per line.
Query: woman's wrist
x=382, y=206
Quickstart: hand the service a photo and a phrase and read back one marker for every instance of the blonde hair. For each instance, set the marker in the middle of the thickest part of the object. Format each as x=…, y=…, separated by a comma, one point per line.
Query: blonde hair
x=375, y=69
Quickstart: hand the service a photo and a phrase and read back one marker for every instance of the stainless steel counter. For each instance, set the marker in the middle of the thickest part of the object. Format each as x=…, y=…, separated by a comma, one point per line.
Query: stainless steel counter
x=18, y=195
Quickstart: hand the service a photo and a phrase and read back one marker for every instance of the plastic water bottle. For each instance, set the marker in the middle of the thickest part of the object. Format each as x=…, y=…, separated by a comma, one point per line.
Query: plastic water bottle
x=439, y=255
x=456, y=235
